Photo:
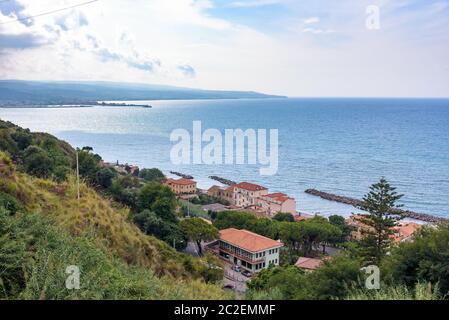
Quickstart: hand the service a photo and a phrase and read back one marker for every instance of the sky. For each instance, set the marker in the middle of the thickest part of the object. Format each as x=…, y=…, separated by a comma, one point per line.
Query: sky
x=299, y=48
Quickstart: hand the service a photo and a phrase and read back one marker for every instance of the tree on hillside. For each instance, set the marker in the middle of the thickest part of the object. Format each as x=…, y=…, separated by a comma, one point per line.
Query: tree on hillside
x=159, y=199
x=379, y=221
x=88, y=164
x=291, y=234
x=423, y=260
x=104, y=177
x=36, y=162
x=151, y=174
x=235, y=219
x=150, y=223
x=345, y=228
x=198, y=230
x=317, y=231
x=284, y=216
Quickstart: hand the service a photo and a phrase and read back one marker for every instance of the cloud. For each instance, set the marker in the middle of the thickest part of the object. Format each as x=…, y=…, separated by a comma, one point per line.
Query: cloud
x=107, y=55
x=72, y=20
x=20, y=41
x=316, y=48
x=311, y=20
x=187, y=70
x=253, y=3
x=317, y=31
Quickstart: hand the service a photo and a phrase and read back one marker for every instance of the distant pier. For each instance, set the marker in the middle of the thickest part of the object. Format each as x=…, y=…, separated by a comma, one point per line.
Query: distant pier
x=358, y=203
x=182, y=175
x=223, y=180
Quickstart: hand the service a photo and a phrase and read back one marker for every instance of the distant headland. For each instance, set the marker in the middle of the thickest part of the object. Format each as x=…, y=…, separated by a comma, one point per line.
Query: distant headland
x=15, y=93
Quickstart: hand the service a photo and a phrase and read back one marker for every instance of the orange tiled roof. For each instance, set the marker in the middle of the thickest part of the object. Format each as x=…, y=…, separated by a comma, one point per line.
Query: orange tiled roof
x=250, y=186
x=181, y=181
x=308, y=263
x=278, y=196
x=248, y=240
x=405, y=230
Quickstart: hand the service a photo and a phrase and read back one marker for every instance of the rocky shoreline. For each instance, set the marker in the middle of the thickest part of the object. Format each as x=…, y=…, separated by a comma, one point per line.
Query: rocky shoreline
x=357, y=203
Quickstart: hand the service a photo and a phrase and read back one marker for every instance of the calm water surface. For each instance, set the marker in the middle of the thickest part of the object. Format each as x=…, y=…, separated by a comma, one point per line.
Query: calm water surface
x=336, y=145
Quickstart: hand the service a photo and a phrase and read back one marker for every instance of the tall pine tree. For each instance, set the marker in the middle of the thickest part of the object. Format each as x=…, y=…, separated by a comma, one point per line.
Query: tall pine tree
x=380, y=220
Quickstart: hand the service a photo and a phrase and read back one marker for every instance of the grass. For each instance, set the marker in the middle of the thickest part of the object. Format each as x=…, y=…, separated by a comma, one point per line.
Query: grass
x=96, y=232
x=421, y=292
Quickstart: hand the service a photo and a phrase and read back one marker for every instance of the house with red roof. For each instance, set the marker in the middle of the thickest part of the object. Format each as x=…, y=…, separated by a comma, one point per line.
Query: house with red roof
x=248, y=250
x=181, y=186
x=308, y=264
x=273, y=203
x=246, y=194
x=255, y=197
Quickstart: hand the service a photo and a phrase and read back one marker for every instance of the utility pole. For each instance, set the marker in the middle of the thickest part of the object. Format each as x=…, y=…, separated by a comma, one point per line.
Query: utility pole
x=77, y=176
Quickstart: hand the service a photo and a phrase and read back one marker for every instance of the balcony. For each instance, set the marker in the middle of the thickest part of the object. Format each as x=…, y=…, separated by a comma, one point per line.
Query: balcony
x=242, y=257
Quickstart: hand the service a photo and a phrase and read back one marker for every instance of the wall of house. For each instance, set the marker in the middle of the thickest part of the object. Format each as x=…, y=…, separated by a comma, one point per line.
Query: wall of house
x=289, y=206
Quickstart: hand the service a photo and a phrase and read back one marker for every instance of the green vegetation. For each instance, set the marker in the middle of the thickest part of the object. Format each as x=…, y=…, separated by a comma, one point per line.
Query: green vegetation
x=299, y=237
x=198, y=230
x=38, y=154
x=44, y=228
x=283, y=216
x=151, y=175
x=34, y=255
x=423, y=260
x=121, y=231
x=418, y=269
x=380, y=222
x=334, y=279
x=420, y=292
x=204, y=199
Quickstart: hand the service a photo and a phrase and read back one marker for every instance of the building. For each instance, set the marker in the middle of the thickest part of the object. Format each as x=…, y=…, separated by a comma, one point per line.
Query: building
x=277, y=202
x=308, y=264
x=402, y=232
x=224, y=193
x=246, y=194
x=248, y=250
x=181, y=186
x=254, y=197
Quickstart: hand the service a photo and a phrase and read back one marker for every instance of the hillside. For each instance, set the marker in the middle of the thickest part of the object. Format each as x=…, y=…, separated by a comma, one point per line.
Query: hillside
x=94, y=234
x=14, y=92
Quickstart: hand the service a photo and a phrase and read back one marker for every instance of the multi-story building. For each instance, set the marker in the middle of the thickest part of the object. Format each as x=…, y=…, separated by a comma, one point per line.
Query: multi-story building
x=225, y=193
x=181, y=186
x=248, y=250
x=246, y=194
x=277, y=202
x=256, y=197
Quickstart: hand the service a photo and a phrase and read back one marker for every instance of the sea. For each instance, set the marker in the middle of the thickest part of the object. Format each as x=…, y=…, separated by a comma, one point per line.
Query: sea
x=341, y=146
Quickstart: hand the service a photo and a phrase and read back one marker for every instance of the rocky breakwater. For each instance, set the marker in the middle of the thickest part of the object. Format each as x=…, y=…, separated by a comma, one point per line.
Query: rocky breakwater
x=182, y=175
x=223, y=180
x=358, y=204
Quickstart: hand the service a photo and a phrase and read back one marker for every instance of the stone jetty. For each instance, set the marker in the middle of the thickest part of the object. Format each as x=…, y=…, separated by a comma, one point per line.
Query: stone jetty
x=358, y=203
x=182, y=175
x=223, y=180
